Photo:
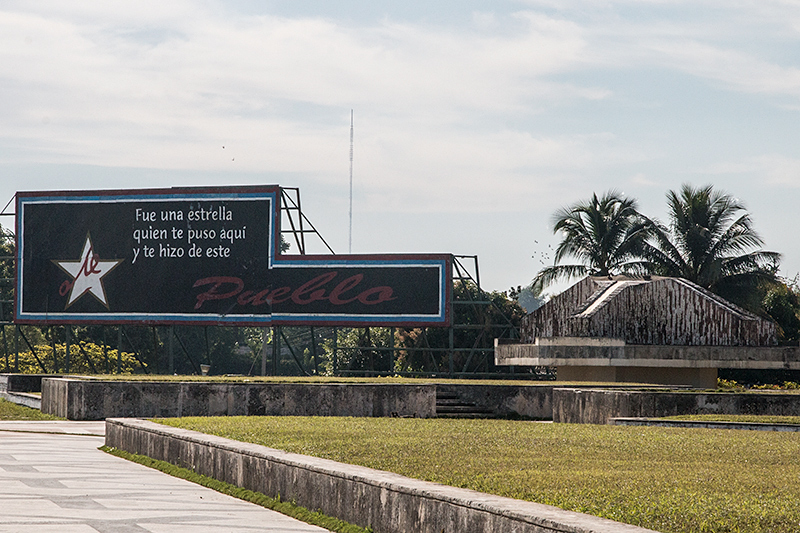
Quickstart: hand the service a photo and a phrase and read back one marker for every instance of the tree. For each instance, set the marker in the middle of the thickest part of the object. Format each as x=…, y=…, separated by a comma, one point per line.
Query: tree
x=360, y=351
x=710, y=240
x=782, y=304
x=527, y=298
x=7, y=250
x=606, y=234
x=479, y=318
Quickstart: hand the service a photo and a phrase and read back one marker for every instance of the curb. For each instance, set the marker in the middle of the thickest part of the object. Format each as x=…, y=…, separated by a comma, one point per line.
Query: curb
x=750, y=426
x=20, y=398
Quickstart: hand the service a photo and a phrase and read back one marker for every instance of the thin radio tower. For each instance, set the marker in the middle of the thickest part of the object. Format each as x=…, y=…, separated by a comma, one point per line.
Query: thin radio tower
x=350, y=246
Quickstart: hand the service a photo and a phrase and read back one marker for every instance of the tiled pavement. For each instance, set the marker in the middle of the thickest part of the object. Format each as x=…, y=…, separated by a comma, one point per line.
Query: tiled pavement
x=54, y=479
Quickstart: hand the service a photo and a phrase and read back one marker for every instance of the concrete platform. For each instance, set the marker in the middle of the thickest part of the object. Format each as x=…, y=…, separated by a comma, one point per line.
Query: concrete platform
x=97, y=399
x=598, y=406
x=613, y=360
x=54, y=479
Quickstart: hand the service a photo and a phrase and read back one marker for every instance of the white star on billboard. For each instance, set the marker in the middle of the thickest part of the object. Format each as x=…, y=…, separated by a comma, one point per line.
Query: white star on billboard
x=88, y=273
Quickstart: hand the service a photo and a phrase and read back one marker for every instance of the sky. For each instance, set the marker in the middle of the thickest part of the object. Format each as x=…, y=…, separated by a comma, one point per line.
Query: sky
x=474, y=121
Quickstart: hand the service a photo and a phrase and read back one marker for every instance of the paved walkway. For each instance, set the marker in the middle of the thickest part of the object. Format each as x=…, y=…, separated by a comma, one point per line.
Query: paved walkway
x=54, y=479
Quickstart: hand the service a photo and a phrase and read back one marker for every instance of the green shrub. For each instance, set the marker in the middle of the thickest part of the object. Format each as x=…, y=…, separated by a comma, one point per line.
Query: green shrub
x=85, y=358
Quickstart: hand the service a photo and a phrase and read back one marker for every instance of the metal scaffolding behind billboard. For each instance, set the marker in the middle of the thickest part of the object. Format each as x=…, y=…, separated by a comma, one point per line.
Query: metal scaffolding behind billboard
x=465, y=348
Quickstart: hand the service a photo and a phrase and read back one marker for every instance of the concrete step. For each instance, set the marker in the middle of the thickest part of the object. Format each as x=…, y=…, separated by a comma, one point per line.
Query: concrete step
x=450, y=405
x=463, y=415
x=463, y=408
x=452, y=401
x=446, y=396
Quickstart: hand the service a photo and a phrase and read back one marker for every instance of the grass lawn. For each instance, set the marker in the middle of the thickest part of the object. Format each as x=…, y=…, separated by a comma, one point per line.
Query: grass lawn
x=670, y=480
x=760, y=419
x=12, y=411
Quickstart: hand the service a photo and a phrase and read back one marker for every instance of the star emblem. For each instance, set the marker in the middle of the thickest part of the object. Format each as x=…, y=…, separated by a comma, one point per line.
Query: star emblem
x=87, y=274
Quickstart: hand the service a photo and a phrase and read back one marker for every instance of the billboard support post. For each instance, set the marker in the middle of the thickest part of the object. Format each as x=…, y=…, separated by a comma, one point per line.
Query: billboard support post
x=264, y=336
x=391, y=349
x=67, y=342
x=119, y=349
x=335, y=351
x=170, y=348
x=451, y=368
x=52, y=331
x=314, y=350
x=276, y=348
x=105, y=351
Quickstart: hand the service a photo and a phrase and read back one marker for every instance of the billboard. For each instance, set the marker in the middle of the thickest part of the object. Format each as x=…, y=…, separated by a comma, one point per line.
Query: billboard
x=203, y=256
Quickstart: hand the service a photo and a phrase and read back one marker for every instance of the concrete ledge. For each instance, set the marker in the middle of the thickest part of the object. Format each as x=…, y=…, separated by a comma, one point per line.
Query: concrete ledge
x=696, y=378
x=598, y=406
x=77, y=399
x=706, y=424
x=593, y=354
x=370, y=498
x=89, y=399
x=22, y=398
x=23, y=382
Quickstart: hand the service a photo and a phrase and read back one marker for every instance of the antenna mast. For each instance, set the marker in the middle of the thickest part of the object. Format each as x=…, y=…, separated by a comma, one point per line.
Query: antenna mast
x=350, y=246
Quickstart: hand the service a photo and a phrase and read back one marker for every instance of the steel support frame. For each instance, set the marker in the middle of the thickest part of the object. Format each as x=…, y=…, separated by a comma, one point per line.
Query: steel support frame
x=296, y=229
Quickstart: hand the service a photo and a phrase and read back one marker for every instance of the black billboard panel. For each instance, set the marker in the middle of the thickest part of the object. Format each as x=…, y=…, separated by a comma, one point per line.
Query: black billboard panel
x=203, y=256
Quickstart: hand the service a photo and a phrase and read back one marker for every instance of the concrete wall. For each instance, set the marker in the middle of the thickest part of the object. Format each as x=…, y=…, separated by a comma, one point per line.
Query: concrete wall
x=697, y=378
x=705, y=424
x=56, y=397
x=22, y=398
x=595, y=406
x=526, y=401
x=23, y=382
x=97, y=400
x=640, y=355
x=77, y=399
x=386, y=502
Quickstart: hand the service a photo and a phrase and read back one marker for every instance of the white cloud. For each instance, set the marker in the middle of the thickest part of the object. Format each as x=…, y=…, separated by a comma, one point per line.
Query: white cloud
x=167, y=86
x=742, y=46
x=737, y=70
x=643, y=180
x=232, y=65
x=745, y=46
x=780, y=170
x=517, y=110
x=773, y=169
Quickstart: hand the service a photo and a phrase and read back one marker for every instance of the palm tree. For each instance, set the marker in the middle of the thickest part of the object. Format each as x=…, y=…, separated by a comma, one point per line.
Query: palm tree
x=606, y=234
x=710, y=240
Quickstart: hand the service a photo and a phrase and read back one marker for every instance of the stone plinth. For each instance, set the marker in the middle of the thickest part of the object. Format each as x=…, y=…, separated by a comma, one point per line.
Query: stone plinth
x=600, y=406
x=612, y=360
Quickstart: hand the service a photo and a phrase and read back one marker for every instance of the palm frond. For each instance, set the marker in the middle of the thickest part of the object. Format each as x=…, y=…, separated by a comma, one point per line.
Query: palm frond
x=553, y=274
